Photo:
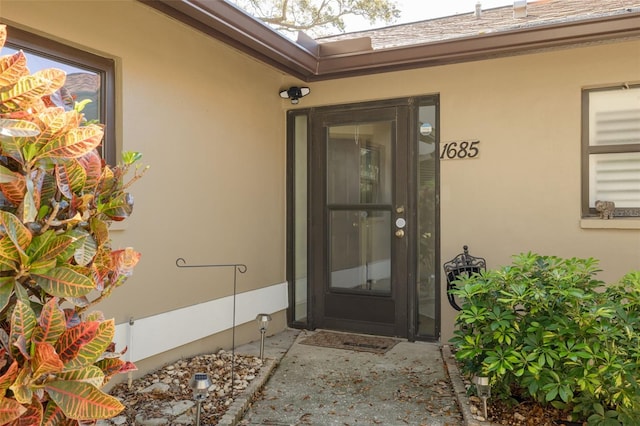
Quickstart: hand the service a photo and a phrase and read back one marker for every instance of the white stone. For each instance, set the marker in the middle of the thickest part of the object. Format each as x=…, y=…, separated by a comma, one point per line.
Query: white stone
x=156, y=387
x=120, y=420
x=140, y=420
x=177, y=408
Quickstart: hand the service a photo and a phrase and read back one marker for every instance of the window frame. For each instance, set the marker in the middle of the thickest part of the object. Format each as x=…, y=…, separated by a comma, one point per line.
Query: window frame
x=588, y=150
x=63, y=53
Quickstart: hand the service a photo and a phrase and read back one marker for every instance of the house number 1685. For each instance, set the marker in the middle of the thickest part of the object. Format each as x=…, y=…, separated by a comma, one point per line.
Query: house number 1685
x=460, y=150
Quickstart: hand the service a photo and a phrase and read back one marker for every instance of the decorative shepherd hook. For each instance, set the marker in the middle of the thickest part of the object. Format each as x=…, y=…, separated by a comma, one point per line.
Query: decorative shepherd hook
x=237, y=267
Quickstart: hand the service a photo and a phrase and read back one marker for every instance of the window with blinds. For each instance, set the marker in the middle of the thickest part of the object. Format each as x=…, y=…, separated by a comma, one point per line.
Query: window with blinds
x=611, y=147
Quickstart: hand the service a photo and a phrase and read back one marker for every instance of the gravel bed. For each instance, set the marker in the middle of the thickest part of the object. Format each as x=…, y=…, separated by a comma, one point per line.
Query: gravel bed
x=166, y=395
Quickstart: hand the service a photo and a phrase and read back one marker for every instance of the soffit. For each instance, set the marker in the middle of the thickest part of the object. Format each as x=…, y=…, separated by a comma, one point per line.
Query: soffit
x=334, y=57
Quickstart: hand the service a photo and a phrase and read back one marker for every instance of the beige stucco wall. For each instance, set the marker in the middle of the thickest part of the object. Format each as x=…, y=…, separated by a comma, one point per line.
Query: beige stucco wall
x=523, y=192
x=210, y=123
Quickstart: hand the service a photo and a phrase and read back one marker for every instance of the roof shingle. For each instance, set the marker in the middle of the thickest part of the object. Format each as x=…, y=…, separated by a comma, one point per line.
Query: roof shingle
x=500, y=19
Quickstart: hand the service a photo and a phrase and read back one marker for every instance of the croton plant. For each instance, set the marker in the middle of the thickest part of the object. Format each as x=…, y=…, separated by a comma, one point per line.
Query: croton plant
x=57, y=200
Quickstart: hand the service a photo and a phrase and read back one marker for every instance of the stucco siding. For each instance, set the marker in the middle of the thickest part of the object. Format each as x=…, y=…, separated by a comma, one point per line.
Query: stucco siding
x=209, y=122
x=523, y=192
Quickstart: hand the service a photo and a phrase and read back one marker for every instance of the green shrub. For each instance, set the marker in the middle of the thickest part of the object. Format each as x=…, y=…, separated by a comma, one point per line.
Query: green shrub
x=545, y=328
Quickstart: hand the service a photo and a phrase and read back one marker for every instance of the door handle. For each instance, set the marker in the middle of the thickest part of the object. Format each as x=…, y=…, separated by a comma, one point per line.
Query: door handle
x=400, y=233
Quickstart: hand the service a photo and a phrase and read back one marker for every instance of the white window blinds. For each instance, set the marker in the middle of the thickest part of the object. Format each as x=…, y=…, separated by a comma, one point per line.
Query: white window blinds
x=614, y=147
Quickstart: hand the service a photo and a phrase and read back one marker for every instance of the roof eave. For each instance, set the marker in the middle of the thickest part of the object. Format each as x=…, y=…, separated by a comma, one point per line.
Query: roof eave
x=482, y=46
x=239, y=30
x=230, y=25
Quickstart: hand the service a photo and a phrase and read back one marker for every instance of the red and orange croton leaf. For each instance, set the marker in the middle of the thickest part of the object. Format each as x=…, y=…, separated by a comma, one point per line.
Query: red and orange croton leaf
x=57, y=200
x=12, y=67
x=74, y=338
x=45, y=360
x=9, y=257
x=10, y=409
x=51, y=323
x=82, y=401
x=28, y=91
x=32, y=416
x=53, y=123
x=15, y=189
x=53, y=415
x=125, y=260
x=15, y=230
x=9, y=376
x=95, y=348
x=75, y=143
x=113, y=366
x=22, y=388
x=23, y=322
x=64, y=282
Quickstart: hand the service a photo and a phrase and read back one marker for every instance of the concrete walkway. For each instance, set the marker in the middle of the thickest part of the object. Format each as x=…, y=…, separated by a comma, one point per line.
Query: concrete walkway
x=408, y=385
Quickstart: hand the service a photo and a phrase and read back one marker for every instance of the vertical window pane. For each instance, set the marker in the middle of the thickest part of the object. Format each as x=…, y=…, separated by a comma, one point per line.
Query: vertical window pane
x=427, y=185
x=300, y=218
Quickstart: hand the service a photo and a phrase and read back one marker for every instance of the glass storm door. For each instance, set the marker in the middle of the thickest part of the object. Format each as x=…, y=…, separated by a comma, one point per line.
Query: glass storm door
x=360, y=221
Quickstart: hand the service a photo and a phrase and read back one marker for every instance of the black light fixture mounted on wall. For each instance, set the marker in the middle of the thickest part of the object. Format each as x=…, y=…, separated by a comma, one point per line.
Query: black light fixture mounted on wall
x=294, y=93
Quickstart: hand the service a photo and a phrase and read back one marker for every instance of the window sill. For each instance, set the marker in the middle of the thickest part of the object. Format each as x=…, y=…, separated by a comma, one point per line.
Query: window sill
x=617, y=223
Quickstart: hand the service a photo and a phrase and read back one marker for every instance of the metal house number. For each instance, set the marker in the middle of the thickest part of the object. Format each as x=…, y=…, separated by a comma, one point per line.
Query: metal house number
x=459, y=150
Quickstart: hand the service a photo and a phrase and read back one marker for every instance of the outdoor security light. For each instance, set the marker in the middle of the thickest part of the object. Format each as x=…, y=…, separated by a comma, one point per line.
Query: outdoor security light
x=263, y=322
x=200, y=384
x=294, y=93
x=484, y=392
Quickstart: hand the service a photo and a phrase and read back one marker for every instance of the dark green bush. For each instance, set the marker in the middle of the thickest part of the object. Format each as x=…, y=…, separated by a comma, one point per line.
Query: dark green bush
x=545, y=328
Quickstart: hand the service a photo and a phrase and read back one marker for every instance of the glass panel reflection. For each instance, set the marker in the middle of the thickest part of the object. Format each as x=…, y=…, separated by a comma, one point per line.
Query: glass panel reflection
x=300, y=219
x=427, y=185
x=360, y=252
x=359, y=164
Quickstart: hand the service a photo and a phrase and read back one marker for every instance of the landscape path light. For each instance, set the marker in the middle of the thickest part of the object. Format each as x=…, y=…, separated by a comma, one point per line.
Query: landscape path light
x=263, y=322
x=484, y=392
x=200, y=384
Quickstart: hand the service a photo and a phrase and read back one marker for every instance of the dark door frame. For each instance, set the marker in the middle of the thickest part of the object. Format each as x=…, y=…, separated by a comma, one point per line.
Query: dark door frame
x=410, y=319
x=333, y=309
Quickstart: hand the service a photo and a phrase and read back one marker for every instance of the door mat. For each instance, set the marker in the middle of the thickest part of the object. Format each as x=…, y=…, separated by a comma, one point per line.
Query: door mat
x=354, y=342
